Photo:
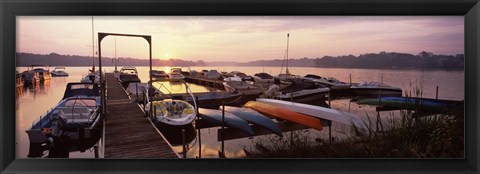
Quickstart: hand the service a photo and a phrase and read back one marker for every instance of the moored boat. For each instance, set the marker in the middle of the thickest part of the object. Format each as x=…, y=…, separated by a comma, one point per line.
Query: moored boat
x=263, y=78
x=158, y=74
x=59, y=72
x=376, y=89
x=176, y=74
x=43, y=74
x=128, y=75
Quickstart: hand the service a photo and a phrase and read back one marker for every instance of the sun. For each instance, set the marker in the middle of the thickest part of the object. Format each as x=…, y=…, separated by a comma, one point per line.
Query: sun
x=166, y=56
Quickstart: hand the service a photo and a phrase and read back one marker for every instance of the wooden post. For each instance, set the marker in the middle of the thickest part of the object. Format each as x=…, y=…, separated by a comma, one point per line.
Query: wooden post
x=223, y=129
x=136, y=90
x=183, y=144
x=330, y=131
x=329, y=101
x=96, y=151
x=199, y=144
x=436, y=94
x=350, y=79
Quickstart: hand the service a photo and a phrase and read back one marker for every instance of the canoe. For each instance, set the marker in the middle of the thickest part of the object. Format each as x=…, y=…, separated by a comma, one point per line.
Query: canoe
x=318, y=112
x=286, y=114
x=255, y=117
x=410, y=103
x=231, y=121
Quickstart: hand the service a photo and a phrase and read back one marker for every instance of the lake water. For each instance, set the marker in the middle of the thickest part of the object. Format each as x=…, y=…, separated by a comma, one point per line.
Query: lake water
x=34, y=101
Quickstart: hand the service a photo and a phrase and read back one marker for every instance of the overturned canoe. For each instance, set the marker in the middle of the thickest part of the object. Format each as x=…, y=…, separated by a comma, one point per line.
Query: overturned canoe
x=255, y=117
x=231, y=121
x=286, y=114
x=318, y=112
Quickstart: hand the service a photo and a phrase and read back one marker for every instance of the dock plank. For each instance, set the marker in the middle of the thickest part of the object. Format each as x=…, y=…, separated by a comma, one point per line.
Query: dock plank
x=128, y=133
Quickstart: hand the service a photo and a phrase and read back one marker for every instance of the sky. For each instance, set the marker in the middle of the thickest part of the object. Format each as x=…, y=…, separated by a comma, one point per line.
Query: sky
x=241, y=38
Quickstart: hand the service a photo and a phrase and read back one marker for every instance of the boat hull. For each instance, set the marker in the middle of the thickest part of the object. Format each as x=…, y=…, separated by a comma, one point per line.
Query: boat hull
x=286, y=114
x=319, y=112
x=253, y=116
x=375, y=92
x=231, y=120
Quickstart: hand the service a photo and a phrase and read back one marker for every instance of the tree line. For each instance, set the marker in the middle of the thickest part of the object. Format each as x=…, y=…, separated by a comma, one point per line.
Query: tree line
x=54, y=59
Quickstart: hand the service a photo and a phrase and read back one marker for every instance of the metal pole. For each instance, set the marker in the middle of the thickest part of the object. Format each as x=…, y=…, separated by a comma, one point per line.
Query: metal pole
x=436, y=94
x=329, y=100
x=102, y=84
x=183, y=144
x=149, y=39
x=136, y=90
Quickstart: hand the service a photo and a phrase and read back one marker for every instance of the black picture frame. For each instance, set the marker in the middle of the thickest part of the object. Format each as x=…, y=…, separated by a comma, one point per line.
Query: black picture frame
x=11, y=8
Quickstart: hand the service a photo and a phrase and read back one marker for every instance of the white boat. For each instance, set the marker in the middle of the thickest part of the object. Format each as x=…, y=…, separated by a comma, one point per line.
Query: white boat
x=157, y=74
x=241, y=87
x=234, y=78
x=213, y=75
x=263, y=78
x=127, y=75
x=173, y=112
x=319, y=112
x=375, y=89
x=176, y=111
x=176, y=74
x=91, y=77
x=138, y=91
x=329, y=82
x=300, y=94
x=59, y=72
x=241, y=75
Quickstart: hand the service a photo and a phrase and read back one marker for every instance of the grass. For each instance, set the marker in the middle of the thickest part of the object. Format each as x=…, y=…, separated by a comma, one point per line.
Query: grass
x=436, y=136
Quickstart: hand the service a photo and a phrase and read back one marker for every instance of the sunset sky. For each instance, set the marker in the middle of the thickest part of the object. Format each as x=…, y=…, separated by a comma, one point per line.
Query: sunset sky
x=242, y=39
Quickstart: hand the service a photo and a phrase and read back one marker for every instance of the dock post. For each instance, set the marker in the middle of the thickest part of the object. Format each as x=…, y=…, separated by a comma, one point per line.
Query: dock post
x=329, y=101
x=436, y=94
x=183, y=144
x=330, y=131
x=136, y=90
x=96, y=151
x=199, y=144
x=223, y=128
x=350, y=79
x=196, y=101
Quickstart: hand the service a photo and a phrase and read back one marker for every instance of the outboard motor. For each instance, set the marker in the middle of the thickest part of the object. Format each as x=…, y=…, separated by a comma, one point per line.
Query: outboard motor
x=272, y=91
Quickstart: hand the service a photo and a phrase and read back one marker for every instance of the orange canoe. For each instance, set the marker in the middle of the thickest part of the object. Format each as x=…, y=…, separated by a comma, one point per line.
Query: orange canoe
x=286, y=114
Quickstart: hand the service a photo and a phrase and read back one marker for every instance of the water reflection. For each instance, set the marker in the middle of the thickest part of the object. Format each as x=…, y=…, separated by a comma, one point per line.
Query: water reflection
x=35, y=100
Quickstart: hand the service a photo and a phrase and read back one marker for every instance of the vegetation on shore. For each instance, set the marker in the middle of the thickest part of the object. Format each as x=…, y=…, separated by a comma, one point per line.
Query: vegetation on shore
x=438, y=136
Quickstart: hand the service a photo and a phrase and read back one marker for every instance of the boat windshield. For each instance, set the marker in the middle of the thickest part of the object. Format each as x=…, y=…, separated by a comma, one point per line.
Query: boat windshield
x=80, y=102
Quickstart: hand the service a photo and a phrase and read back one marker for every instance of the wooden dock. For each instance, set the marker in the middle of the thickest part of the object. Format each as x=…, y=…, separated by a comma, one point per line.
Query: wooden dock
x=128, y=133
x=217, y=84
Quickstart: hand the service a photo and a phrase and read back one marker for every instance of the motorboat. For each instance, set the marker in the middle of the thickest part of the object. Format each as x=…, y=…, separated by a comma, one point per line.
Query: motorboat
x=376, y=89
x=213, y=75
x=263, y=78
x=43, y=74
x=91, y=77
x=30, y=77
x=297, y=92
x=330, y=82
x=241, y=75
x=215, y=99
x=242, y=87
x=158, y=74
x=128, y=75
x=18, y=80
x=176, y=74
x=76, y=116
x=59, y=72
x=176, y=111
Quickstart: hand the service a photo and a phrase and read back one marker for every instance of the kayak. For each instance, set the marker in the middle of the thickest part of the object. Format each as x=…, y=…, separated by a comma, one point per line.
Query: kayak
x=410, y=103
x=255, y=117
x=231, y=121
x=318, y=112
x=286, y=114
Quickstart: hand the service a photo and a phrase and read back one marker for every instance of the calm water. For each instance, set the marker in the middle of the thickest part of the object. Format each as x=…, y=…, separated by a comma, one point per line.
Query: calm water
x=34, y=101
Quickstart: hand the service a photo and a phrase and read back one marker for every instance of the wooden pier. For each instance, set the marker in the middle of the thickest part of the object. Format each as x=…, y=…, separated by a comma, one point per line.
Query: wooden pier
x=128, y=133
x=217, y=84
